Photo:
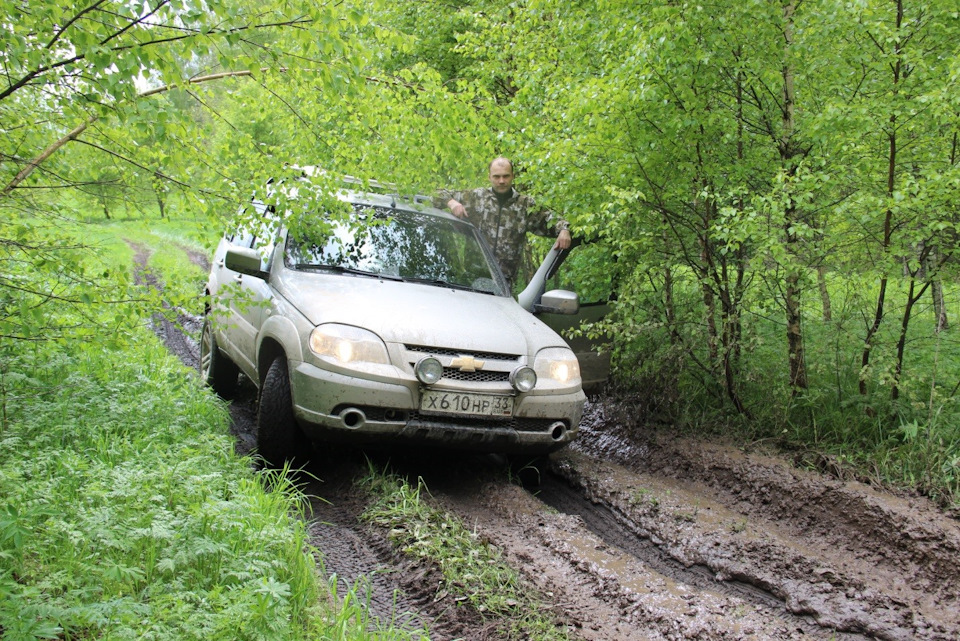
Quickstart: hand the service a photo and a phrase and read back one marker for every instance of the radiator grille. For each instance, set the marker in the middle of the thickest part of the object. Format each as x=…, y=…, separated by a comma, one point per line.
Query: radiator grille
x=475, y=377
x=443, y=351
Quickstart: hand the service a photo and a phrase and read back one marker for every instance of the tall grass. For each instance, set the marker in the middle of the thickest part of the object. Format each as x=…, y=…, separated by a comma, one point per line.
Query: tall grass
x=124, y=512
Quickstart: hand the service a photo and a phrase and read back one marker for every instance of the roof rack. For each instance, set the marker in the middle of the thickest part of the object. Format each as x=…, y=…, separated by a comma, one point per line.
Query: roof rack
x=387, y=189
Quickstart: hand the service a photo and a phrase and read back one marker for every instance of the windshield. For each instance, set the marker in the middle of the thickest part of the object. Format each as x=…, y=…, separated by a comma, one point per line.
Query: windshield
x=401, y=245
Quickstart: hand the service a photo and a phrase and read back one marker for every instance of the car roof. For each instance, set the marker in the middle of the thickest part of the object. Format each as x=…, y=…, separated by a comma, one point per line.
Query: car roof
x=421, y=204
x=366, y=192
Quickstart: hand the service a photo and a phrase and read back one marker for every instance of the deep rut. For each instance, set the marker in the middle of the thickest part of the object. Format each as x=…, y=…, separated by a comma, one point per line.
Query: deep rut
x=616, y=530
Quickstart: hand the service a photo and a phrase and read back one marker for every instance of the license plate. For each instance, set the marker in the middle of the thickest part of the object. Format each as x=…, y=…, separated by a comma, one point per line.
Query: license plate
x=440, y=402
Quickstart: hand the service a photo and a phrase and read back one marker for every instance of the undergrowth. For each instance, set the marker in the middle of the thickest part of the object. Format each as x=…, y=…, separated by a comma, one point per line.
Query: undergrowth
x=911, y=443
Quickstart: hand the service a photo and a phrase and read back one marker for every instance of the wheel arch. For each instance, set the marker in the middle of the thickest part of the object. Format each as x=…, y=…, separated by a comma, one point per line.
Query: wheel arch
x=279, y=337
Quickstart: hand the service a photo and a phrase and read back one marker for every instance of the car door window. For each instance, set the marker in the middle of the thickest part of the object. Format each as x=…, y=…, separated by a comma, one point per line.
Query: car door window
x=256, y=232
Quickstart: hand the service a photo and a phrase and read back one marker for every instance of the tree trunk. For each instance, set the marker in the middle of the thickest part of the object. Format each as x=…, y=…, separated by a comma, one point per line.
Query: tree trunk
x=669, y=308
x=731, y=347
x=928, y=267
x=824, y=294
x=710, y=311
x=871, y=332
x=736, y=328
x=902, y=340
x=798, y=365
x=939, y=305
x=888, y=215
x=789, y=156
x=161, y=203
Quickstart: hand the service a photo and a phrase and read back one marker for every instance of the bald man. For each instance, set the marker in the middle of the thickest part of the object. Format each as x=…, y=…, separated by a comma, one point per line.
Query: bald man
x=504, y=216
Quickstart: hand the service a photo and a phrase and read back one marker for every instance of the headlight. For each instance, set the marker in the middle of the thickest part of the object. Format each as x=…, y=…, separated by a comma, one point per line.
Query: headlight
x=558, y=364
x=346, y=344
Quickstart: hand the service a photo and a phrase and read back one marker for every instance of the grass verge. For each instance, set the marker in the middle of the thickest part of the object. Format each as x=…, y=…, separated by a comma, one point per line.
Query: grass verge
x=473, y=570
x=124, y=512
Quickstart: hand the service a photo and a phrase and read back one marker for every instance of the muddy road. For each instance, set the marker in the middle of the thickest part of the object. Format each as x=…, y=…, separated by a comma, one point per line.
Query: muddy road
x=632, y=533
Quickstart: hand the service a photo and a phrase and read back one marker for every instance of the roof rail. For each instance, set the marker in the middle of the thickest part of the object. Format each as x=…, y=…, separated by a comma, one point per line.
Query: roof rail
x=387, y=189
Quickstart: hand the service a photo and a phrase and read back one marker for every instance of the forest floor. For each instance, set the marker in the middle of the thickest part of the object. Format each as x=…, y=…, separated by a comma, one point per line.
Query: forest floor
x=635, y=533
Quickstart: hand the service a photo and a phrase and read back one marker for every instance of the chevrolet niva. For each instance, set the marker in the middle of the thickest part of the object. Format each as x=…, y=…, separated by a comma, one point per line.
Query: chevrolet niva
x=390, y=323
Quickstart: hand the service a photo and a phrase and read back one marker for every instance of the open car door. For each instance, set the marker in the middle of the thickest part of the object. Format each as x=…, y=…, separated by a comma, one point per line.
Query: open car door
x=554, y=309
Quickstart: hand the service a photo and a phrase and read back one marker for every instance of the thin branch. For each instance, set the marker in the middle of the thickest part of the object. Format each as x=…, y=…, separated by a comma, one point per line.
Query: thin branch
x=39, y=71
x=132, y=162
x=49, y=151
x=72, y=20
x=134, y=23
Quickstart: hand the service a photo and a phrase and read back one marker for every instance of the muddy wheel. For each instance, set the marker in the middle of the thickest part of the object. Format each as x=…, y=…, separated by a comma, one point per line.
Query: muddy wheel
x=279, y=438
x=218, y=371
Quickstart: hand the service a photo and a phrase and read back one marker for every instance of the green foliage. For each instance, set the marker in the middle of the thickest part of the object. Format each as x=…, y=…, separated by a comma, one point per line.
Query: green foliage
x=123, y=510
x=50, y=265
x=736, y=166
x=78, y=75
x=729, y=215
x=472, y=570
x=179, y=263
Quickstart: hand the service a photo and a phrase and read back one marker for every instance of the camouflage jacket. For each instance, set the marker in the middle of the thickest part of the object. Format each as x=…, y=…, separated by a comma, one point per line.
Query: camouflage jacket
x=505, y=227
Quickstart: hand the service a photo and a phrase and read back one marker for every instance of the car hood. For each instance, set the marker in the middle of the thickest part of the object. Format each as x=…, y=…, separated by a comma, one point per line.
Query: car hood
x=417, y=314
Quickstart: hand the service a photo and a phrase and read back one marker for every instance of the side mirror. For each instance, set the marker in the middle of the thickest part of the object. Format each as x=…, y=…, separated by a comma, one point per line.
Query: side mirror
x=530, y=296
x=558, y=301
x=244, y=260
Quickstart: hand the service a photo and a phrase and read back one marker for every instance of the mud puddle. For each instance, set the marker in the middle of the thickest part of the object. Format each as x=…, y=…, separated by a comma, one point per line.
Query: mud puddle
x=634, y=534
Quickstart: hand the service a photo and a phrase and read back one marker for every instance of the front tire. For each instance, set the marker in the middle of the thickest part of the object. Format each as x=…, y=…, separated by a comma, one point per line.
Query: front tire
x=217, y=371
x=279, y=438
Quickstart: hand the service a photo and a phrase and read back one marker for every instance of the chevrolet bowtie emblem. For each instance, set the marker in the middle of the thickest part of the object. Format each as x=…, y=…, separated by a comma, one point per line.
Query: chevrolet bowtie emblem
x=467, y=363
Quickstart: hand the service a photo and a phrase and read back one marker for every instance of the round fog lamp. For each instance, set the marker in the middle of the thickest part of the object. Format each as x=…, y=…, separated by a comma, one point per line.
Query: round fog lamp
x=523, y=379
x=428, y=370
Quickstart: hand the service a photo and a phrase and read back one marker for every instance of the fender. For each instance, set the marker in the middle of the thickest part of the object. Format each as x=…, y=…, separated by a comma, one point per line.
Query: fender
x=282, y=330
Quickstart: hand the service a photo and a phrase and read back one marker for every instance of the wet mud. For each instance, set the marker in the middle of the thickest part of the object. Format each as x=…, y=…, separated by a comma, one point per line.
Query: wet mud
x=633, y=533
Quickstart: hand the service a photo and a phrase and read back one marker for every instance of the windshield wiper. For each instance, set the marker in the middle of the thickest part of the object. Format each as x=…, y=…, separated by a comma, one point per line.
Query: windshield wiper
x=340, y=269
x=442, y=283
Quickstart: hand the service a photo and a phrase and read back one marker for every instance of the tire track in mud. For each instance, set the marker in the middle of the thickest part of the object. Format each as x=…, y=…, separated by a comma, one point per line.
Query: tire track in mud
x=620, y=532
x=395, y=589
x=598, y=591
x=175, y=327
x=855, y=560
x=652, y=558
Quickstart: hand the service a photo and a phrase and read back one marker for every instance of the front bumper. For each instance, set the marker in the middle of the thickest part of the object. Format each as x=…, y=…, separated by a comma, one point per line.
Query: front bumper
x=337, y=407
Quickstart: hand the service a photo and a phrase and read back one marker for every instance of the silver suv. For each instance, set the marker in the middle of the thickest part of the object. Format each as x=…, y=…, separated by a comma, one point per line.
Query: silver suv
x=391, y=323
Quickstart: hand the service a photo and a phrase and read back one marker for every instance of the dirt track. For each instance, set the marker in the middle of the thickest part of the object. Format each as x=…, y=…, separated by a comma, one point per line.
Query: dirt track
x=634, y=534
